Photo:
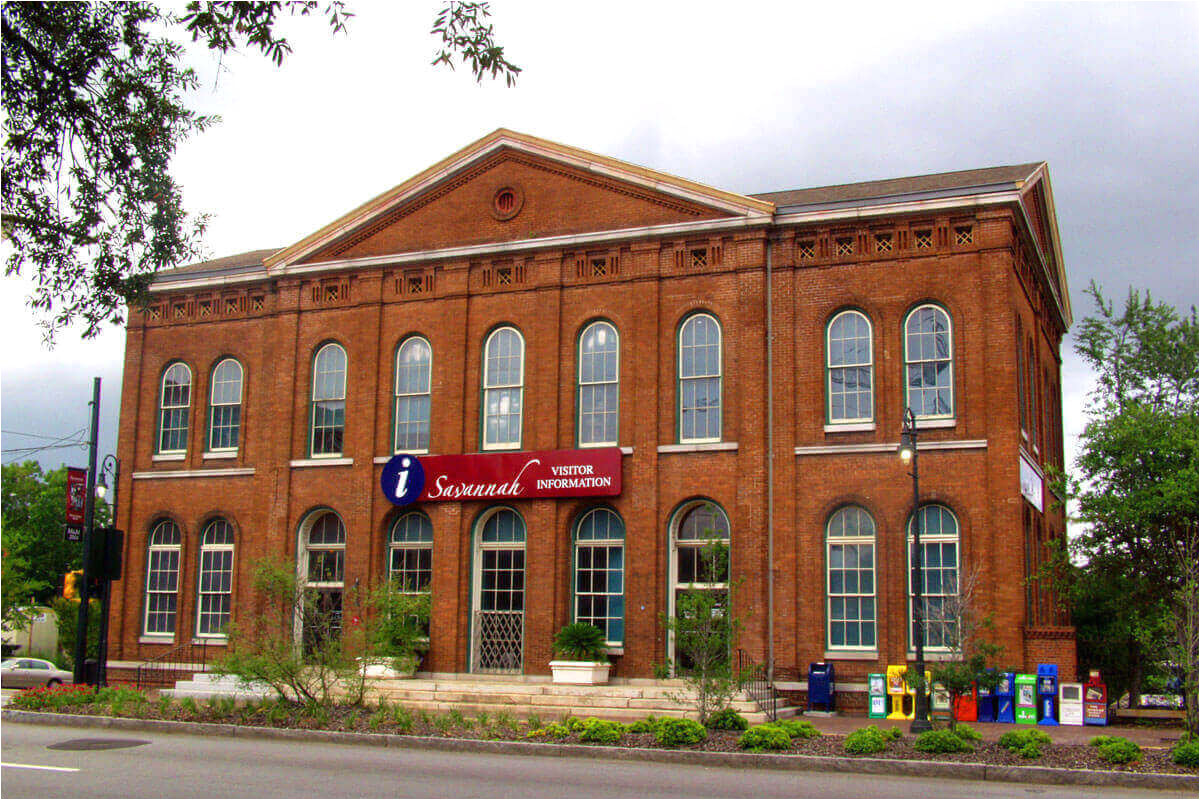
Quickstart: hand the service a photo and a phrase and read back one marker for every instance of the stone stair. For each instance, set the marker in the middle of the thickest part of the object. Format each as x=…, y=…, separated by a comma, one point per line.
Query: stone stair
x=205, y=685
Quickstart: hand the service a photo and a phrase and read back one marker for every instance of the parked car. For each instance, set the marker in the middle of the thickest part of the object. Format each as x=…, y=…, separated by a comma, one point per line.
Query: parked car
x=25, y=672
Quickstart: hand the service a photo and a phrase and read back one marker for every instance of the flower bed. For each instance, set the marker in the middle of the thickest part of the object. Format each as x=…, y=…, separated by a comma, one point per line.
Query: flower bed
x=396, y=719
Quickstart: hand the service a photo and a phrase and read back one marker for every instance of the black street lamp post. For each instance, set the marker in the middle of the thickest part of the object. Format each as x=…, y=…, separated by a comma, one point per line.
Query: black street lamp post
x=908, y=454
x=110, y=469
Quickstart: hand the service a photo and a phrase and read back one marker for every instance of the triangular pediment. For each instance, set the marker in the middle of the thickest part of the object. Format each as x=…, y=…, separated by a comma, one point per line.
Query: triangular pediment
x=510, y=187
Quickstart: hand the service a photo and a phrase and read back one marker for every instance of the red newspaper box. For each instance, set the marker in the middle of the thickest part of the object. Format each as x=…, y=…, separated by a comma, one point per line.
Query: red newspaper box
x=1095, y=700
x=966, y=706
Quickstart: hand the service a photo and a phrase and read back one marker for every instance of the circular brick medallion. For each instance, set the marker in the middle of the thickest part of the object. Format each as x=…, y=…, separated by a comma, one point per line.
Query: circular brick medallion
x=507, y=202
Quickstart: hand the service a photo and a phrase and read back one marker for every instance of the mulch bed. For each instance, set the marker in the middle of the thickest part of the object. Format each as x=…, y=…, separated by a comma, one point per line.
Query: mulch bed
x=503, y=727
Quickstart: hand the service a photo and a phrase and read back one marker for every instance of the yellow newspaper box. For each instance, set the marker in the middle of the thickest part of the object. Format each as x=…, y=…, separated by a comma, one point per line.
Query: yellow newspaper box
x=898, y=691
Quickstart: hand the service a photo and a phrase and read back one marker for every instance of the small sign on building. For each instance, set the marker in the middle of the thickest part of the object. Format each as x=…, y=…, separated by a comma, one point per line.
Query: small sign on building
x=1031, y=482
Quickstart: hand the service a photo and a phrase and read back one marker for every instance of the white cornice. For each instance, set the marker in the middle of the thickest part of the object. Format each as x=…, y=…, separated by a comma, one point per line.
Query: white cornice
x=888, y=447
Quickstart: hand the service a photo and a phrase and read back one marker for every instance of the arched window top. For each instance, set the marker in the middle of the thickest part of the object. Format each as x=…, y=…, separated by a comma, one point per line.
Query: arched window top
x=329, y=373
x=700, y=346
x=504, y=357
x=411, y=528
x=702, y=522
x=927, y=333
x=327, y=530
x=598, y=345
x=503, y=526
x=217, y=533
x=600, y=524
x=936, y=520
x=850, y=522
x=413, y=359
x=227, y=382
x=165, y=534
x=849, y=339
x=176, y=378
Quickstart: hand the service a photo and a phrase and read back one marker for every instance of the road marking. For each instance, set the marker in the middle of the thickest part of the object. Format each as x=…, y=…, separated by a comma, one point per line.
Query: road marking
x=37, y=766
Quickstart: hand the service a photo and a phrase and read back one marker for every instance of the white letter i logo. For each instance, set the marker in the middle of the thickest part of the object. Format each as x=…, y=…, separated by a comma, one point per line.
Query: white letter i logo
x=402, y=479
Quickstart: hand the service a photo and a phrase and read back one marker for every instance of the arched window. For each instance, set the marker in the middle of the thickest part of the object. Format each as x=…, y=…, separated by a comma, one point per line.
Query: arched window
x=414, y=359
x=503, y=382
x=699, y=559
x=849, y=365
x=174, y=401
x=215, y=579
x=410, y=552
x=850, y=578
x=939, y=545
x=600, y=573
x=598, y=384
x=323, y=539
x=328, y=400
x=225, y=406
x=162, y=579
x=929, y=362
x=700, y=379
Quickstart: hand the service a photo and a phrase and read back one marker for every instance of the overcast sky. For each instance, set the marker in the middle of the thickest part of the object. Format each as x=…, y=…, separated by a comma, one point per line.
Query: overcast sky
x=749, y=98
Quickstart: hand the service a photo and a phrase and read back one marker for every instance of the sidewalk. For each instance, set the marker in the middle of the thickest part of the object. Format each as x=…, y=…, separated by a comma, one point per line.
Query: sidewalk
x=991, y=731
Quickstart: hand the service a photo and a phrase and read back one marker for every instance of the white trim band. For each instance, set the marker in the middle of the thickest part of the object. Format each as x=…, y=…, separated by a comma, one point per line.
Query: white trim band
x=194, y=473
x=704, y=447
x=321, y=462
x=889, y=447
x=168, y=457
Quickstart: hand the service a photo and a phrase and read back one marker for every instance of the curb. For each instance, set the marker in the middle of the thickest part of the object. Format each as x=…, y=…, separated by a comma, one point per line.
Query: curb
x=872, y=766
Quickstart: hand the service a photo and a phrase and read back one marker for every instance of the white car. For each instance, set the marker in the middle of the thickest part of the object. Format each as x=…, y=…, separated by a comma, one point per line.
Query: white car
x=22, y=673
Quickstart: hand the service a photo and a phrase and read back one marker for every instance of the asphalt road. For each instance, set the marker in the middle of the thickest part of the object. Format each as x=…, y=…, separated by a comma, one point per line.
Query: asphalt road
x=174, y=765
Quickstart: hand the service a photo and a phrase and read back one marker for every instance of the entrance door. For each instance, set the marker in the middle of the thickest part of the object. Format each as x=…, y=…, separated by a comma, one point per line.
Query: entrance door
x=498, y=608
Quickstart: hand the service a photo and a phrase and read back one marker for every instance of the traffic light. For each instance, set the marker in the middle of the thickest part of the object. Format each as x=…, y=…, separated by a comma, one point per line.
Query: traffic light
x=70, y=583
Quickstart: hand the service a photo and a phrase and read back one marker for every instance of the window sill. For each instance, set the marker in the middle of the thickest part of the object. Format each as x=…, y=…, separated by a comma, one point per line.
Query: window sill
x=936, y=655
x=851, y=655
x=168, y=457
x=699, y=447
x=143, y=639
x=215, y=641
x=936, y=423
x=321, y=462
x=212, y=454
x=850, y=427
x=614, y=651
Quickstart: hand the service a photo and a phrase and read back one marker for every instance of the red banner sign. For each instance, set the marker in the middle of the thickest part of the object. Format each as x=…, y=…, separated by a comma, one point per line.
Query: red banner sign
x=503, y=476
x=76, y=495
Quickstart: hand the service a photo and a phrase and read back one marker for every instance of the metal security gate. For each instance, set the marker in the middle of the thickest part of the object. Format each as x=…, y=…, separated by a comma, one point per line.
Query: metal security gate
x=499, y=637
x=498, y=633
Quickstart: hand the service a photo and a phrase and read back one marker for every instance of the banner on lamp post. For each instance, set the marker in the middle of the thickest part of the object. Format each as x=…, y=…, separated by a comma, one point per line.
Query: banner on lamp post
x=76, y=503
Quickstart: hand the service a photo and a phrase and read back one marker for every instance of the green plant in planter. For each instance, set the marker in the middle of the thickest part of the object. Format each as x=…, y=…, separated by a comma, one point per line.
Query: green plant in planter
x=399, y=626
x=580, y=641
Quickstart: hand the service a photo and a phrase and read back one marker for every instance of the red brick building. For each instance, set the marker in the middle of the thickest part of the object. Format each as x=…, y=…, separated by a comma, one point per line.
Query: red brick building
x=752, y=356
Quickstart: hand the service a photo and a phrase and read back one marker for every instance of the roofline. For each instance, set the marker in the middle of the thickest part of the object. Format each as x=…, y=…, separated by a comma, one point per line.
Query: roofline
x=501, y=138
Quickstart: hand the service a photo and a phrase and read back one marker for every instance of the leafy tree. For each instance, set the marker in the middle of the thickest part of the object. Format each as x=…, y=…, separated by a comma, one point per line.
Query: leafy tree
x=1136, y=486
x=95, y=105
x=33, y=509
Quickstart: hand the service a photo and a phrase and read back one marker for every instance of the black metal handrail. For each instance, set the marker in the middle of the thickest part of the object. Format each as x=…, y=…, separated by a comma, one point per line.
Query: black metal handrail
x=754, y=679
x=157, y=669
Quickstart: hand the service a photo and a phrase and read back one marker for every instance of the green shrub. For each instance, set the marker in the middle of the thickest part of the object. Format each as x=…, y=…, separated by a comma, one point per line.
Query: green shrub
x=1030, y=750
x=574, y=724
x=402, y=719
x=764, y=737
x=555, y=730
x=601, y=731
x=798, y=728
x=1015, y=740
x=727, y=720
x=647, y=725
x=1119, y=750
x=1185, y=753
x=580, y=641
x=942, y=740
x=892, y=734
x=675, y=732
x=1096, y=741
x=866, y=740
x=967, y=733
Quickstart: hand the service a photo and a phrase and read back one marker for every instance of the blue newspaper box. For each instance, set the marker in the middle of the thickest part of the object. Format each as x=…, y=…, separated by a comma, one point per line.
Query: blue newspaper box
x=1047, y=691
x=1006, y=692
x=821, y=685
x=987, y=704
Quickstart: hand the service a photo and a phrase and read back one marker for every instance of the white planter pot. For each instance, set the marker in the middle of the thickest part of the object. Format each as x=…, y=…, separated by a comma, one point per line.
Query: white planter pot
x=389, y=668
x=585, y=673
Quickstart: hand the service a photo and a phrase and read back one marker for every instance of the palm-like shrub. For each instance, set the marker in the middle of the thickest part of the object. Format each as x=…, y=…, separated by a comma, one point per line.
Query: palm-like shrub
x=580, y=641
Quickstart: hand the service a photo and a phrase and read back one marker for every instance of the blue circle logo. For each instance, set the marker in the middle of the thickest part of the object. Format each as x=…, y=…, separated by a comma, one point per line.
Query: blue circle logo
x=403, y=479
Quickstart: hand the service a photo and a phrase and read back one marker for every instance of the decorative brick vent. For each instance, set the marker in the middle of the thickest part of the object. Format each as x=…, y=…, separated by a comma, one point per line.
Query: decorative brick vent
x=845, y=246
x=806, y=250
x=923, y=240
x=883, y=243
x=503, y=275
x=507, y=202
x=964, y=234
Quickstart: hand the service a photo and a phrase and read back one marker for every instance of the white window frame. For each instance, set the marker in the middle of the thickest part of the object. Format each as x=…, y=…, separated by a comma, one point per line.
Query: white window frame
x=407, y=396
x=606, y=544
x=502, y=389
x=846, y=365
x=163, y=408
x=949, y=360
x=673, y=583
x=155, y=547
x=859, y=540
x=420, y=545
x=682, y=379
x=582, y=385
x=928, y=539
x=214, y=547
x=335, y=397
x=213, y=405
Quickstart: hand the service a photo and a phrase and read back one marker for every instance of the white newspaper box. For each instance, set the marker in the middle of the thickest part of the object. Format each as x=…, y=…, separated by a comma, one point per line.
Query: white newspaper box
x=1070, y=703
